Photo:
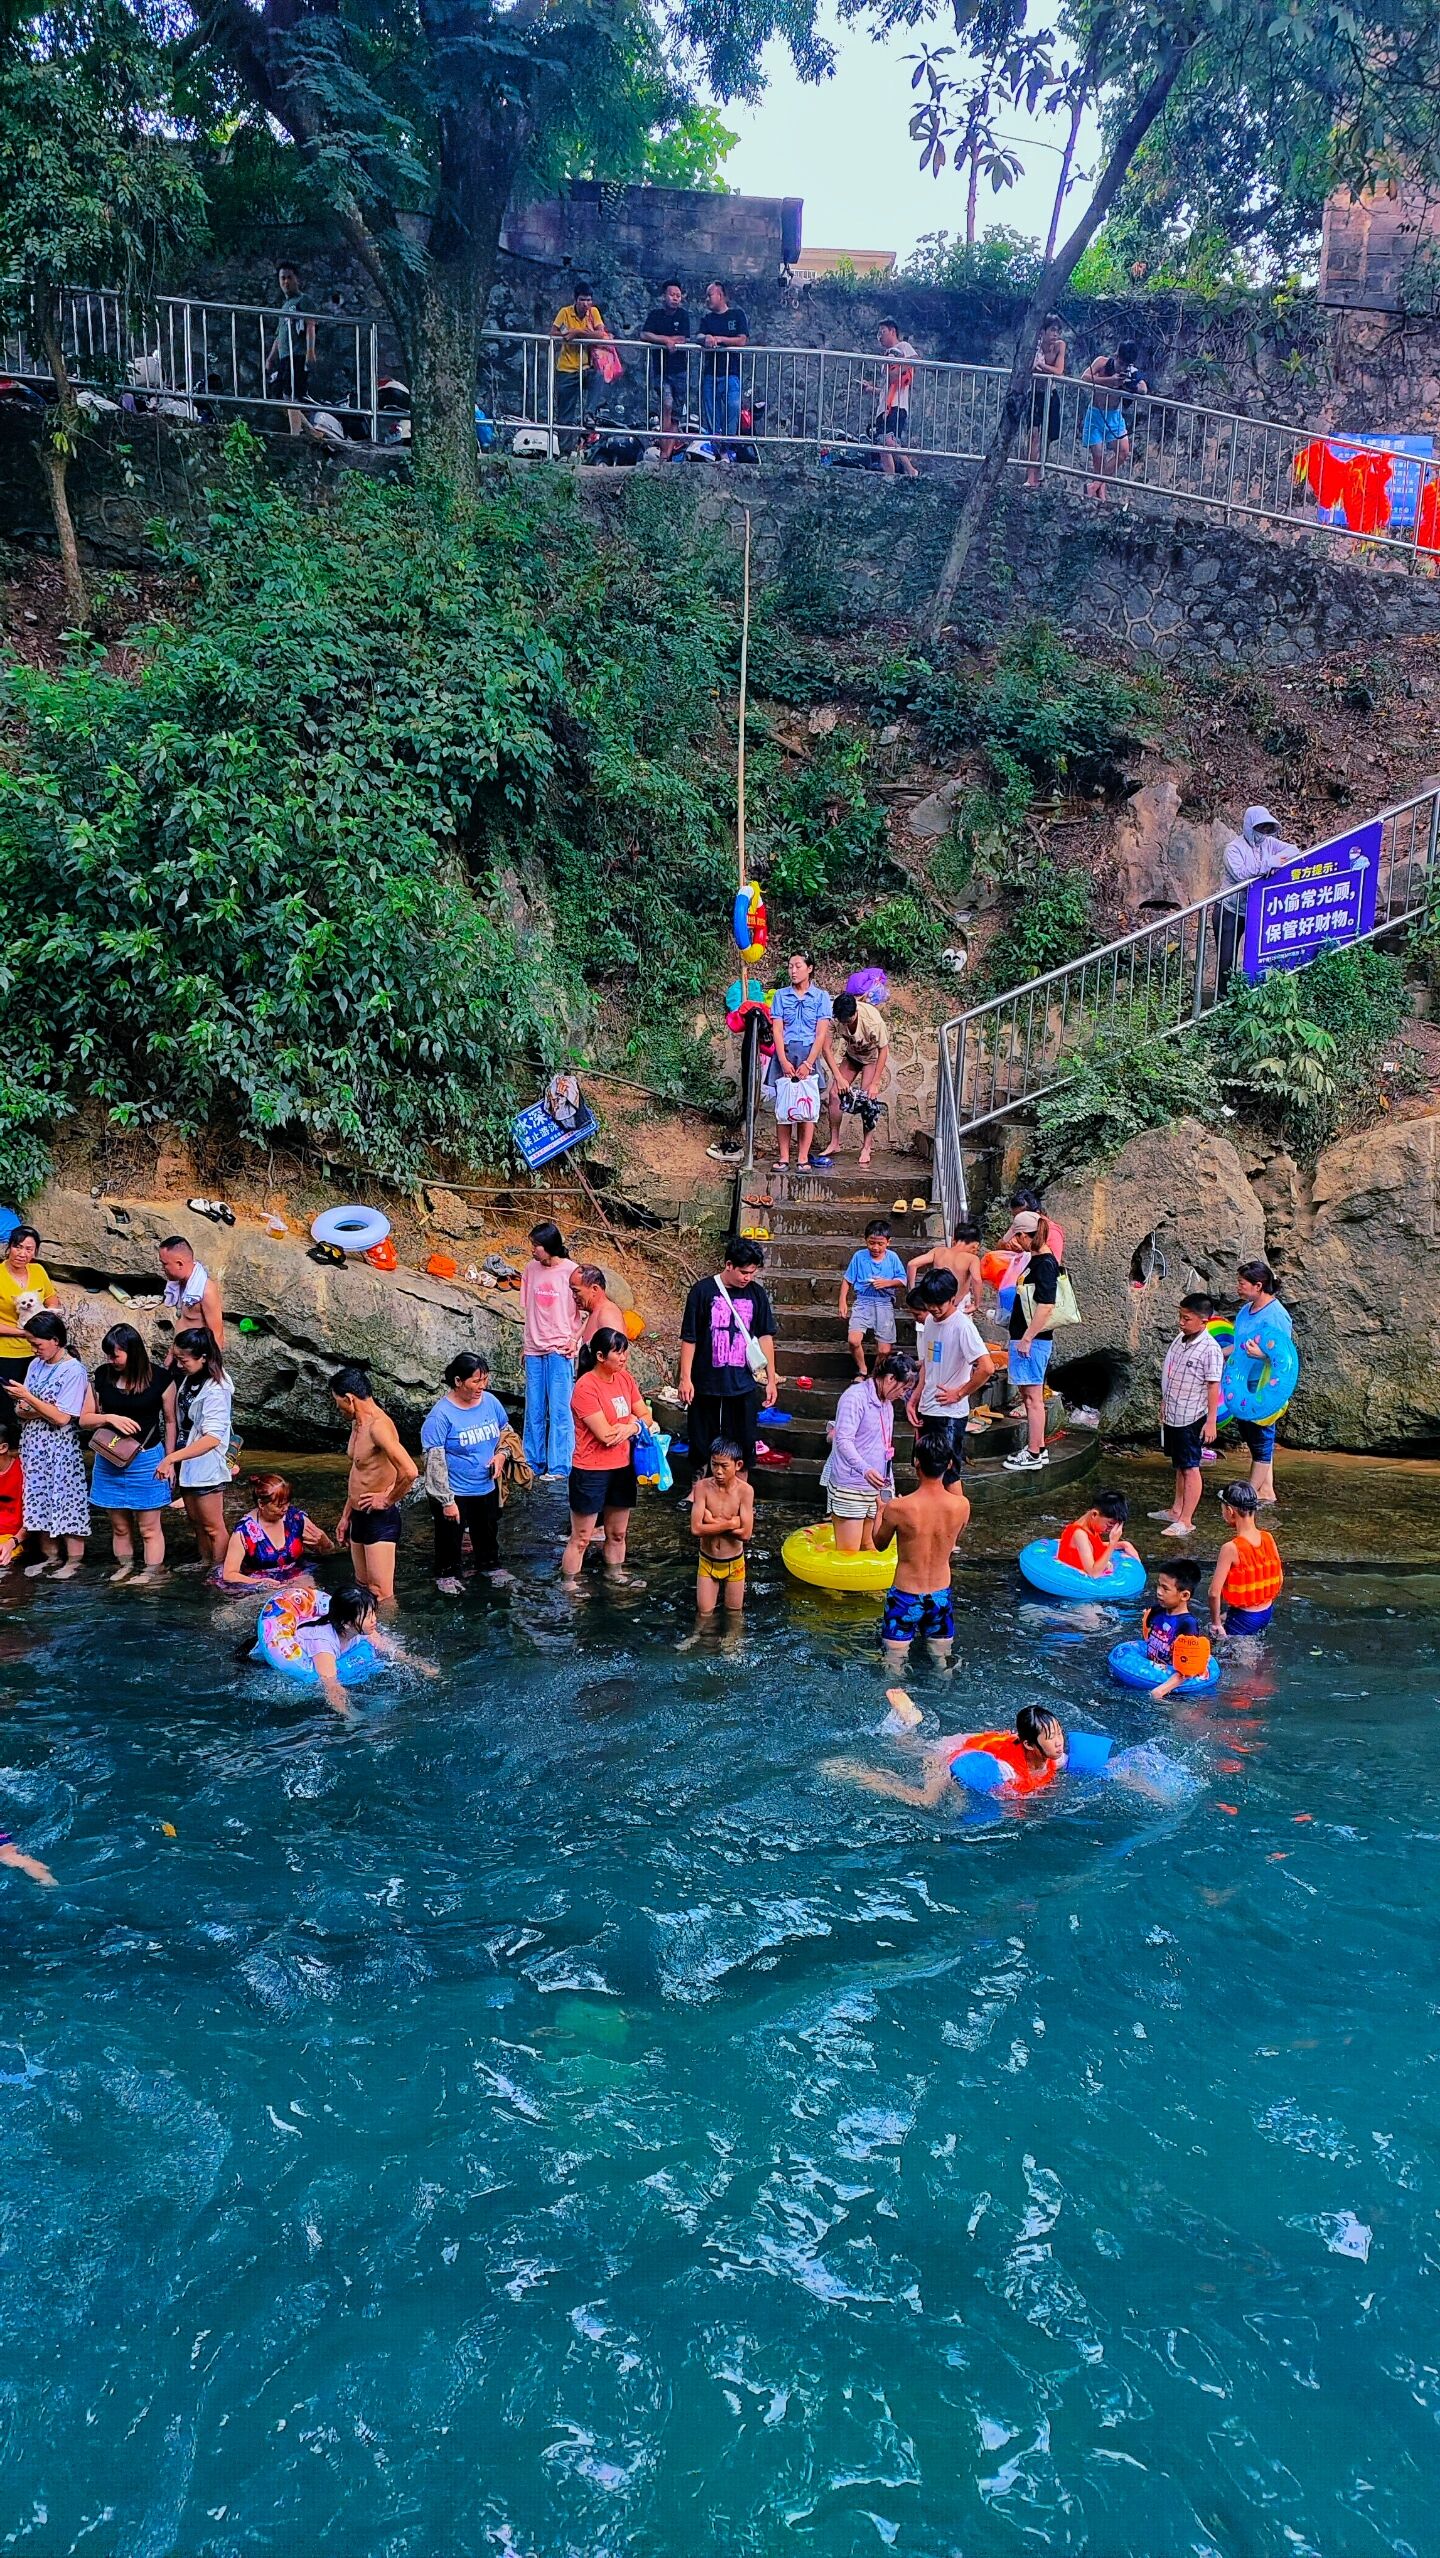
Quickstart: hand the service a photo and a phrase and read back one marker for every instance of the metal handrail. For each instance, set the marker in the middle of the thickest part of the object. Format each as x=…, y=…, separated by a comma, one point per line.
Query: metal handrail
x=196, y=356
x=1166, y=976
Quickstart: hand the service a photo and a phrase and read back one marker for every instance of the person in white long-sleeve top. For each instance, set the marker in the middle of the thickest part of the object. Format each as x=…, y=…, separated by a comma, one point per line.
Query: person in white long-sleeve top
x=1259, y=847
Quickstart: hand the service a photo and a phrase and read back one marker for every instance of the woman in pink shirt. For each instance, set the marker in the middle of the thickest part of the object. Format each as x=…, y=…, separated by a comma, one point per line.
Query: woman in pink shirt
x=552, y=1332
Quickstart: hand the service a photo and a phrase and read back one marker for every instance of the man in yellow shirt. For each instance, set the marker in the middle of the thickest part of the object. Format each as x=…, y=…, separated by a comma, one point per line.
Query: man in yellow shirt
x=20, y=1275
x=859, y=1055
x=578, y=323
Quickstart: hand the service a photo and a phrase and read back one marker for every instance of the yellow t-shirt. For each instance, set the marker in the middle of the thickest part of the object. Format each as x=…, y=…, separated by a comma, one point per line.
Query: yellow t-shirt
x=571, y=358
x=13, y=1344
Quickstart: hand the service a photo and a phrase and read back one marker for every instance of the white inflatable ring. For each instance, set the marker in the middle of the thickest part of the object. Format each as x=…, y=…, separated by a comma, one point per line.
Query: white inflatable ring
x=354, y=1229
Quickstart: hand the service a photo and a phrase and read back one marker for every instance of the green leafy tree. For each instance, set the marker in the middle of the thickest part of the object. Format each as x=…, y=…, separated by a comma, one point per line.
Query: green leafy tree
x=1368, y=70
x=686, y=147
x=91, y=189
x=423, y=118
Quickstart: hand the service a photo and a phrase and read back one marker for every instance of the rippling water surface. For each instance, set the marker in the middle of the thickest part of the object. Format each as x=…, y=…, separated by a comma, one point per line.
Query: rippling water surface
x=553, y=2117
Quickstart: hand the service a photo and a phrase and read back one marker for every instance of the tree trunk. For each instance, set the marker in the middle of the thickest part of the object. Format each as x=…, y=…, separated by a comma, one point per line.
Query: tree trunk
x=1054, y=275
x=58, y=437
x=444, y=304
x=1067, y=163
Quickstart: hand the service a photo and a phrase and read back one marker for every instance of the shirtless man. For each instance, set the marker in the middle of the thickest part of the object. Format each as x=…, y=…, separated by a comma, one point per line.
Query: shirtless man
x=722, y=1516
x=190, y=1289
x=963, y=1258
x=381, y=1473
x=926, y=1524
x=595, y=1311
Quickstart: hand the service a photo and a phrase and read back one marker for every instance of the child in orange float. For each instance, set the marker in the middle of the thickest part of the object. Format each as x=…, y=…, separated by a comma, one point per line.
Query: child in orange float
x=1249, y=1575
x=1032, y=1757
x=1090, y=1545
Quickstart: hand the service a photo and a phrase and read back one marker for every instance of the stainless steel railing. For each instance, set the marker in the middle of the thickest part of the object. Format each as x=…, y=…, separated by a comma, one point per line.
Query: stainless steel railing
x=192, y=359
x=1162, y=979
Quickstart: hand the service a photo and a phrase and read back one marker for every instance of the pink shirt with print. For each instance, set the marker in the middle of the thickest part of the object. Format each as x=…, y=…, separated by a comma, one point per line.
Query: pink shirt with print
x=550, y=1320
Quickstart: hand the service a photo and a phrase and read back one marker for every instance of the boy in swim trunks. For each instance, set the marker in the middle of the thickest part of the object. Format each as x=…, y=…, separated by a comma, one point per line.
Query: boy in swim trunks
x=1249, y=1575
x=1090, y=1545
x=1032, y=1757
x=381, y=1473
x=962, y=1258
x=1172, y=1620
x=926, y=1524
x=722, y=1516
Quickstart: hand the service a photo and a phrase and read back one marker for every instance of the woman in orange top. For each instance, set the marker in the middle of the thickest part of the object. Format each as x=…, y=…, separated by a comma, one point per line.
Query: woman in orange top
x=1249, y=1574
x=608, y=1408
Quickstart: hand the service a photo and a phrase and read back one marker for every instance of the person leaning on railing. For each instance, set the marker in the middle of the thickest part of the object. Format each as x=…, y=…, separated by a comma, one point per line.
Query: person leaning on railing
x=1259, y=847
x=668, y=327
x=577, y=327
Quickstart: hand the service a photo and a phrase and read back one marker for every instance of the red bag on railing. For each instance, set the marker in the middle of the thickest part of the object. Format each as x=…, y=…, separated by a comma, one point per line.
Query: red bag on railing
x=1326, y=471
x=1427, y=517
x=607, y=363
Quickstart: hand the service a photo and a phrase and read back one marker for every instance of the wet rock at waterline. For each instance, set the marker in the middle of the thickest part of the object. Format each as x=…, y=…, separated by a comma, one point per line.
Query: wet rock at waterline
x=403, y=1325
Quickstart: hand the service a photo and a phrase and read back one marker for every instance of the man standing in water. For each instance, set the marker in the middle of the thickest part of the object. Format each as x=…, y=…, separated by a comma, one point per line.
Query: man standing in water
x=381, y=1473
x=926, y=1524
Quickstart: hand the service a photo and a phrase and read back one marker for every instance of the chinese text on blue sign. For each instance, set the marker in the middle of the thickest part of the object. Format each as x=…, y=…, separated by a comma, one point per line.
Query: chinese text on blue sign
x=1325, y=897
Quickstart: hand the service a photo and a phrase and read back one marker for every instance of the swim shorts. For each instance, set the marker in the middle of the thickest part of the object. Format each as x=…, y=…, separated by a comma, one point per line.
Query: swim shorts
x=375, y=1527
x=923, y=1615
x=1183, y=1446
x=1247, y=1620
x=722, y=1567
x=597, y=1488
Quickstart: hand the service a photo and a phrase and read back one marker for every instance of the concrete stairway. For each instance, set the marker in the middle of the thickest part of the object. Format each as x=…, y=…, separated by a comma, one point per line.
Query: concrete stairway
x=816, y=1220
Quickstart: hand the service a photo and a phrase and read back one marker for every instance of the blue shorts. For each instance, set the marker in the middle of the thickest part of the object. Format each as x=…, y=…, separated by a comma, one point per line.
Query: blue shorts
x=1248, y=1620
x=1104, y=426
x=1183, y=1445
x=1259, y=1438
x=1027, y=1367
x=926, y=1615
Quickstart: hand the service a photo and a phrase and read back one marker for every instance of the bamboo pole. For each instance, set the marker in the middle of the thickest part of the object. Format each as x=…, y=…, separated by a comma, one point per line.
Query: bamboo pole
x=744, y=691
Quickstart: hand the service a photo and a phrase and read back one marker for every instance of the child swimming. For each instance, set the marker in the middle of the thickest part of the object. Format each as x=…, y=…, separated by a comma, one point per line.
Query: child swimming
x=1031, y=1755
x=1090, y=1544
x=353, y=1618
x=1249, y=1575
x=1172, y=1630
x=722, y=1516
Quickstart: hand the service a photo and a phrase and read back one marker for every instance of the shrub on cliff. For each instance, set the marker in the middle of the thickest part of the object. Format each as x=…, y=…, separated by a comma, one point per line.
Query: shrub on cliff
x=351, y=844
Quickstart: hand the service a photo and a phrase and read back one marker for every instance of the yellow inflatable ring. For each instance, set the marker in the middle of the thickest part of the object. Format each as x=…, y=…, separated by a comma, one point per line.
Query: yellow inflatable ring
x=809, y=1553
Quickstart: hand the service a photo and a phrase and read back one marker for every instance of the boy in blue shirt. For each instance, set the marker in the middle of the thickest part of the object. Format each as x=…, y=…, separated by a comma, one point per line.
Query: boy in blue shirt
x=1172, y=1617
x=868, y=1290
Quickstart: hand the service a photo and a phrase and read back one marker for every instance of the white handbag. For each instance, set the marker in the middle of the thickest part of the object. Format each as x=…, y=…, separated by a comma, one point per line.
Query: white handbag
x=797, y=1097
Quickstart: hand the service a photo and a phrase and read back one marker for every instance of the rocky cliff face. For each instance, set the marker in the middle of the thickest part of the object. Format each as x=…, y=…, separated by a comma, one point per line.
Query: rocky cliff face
x=1353, y=1244
x=308, y=1319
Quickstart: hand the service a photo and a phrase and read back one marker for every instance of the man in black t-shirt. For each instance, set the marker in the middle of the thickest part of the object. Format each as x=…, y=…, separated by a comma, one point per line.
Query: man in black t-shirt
x=668, y=326
x=722, y=329
x=722, y=1315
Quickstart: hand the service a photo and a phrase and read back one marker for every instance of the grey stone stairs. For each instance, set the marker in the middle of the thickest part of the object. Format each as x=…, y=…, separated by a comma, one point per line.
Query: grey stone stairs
x=815, y=1222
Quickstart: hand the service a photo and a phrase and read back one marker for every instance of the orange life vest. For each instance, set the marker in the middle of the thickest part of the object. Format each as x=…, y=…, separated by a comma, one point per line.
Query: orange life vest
x=1065, y=1551
x=1011, y=1754
x=1257, y=1575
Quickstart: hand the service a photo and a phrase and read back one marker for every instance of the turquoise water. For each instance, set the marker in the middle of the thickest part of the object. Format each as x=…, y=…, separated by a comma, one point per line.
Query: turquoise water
x=552, y=2117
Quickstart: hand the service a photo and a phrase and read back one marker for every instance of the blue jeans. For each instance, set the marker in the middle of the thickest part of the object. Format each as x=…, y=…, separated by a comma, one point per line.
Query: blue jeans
x=549, y=1428
x=720, y=406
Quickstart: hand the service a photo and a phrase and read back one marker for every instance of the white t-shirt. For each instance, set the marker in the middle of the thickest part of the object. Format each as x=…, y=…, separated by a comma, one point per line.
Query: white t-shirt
x=949, y=1346
x=209, y=1417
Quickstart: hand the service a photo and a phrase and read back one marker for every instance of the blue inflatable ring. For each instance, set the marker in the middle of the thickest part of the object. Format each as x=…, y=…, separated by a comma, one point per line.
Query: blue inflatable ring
x=354, y=1229
x=277, y=1644
x=1258, y=1391
x=1131, y=1666
x=1125, y=1580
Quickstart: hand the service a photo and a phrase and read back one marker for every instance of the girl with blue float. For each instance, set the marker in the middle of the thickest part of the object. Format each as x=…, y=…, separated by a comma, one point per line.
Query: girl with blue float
x=332, y=1646
x=1262, y=1373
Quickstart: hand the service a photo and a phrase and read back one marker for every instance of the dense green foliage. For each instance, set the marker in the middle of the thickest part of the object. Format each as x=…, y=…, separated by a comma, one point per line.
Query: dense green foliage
x=1299, y=1051
x=408, y=800
x=1118, y=1085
